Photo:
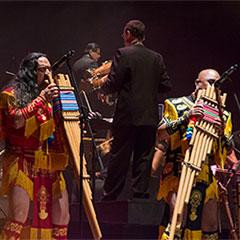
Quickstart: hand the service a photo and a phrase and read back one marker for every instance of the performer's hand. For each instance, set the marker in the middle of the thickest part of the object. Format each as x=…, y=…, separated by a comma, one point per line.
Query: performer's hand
x=50, y=92
x=197, y=111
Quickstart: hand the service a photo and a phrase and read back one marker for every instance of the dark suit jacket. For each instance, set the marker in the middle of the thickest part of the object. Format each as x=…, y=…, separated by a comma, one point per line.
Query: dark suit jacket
x=138, y=74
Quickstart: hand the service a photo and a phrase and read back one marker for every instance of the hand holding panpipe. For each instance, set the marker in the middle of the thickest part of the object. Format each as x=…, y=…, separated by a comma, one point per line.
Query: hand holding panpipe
x=49, y=89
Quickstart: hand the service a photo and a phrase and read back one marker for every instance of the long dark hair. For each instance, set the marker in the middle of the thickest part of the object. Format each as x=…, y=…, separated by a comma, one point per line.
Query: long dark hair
x=26, y=87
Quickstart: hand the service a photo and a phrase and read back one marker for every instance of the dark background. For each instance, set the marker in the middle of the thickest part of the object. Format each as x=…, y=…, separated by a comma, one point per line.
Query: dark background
x=190, y=35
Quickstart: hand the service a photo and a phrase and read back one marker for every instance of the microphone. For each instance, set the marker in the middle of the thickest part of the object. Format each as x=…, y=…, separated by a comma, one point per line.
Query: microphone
x=226, y=74
x=61, y=61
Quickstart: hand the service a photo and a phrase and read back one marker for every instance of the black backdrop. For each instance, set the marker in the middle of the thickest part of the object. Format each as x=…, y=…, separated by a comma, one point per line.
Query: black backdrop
x=190, y=35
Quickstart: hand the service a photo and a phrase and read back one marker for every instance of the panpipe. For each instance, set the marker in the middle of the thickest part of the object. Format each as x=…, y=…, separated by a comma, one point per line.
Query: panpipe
x=204, y=134
x=70, y=114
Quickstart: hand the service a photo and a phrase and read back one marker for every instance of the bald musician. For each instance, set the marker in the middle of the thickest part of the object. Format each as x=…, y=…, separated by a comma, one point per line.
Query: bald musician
x=199, y=224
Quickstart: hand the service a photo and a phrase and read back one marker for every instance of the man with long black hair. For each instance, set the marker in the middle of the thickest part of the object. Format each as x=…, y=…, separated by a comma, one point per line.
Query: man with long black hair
x=35, y=153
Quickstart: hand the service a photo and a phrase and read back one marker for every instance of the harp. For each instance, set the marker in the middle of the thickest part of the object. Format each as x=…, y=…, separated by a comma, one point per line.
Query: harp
x=204, y=133
x=70, y=114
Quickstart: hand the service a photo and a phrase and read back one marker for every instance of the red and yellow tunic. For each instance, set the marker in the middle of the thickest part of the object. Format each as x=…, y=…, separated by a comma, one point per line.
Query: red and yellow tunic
x=35, y=154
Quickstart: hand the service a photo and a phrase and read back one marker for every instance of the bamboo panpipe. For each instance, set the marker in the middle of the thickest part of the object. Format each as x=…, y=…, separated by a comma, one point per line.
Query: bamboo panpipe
x=72, y=130
x=200, y=146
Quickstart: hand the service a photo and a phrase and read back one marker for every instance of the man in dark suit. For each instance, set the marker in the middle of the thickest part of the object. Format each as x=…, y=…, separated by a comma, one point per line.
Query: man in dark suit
x=137, y=75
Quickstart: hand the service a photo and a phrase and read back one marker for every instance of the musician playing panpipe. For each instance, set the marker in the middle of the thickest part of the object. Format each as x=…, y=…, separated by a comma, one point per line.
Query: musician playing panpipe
x=35, y=153
x=172, y=142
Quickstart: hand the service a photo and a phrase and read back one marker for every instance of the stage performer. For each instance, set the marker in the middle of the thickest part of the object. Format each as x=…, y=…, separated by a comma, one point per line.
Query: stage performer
x=88, y=61
x=171, y=146
x=137, y=75
x=35, y=153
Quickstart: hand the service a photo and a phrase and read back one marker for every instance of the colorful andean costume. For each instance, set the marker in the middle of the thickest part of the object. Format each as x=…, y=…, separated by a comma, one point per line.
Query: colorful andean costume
x=206, y=187
x=34, y=158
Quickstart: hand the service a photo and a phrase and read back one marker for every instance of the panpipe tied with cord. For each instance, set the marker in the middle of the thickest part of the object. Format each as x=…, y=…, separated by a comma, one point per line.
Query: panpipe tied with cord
x=68, y=106
x=204, y=133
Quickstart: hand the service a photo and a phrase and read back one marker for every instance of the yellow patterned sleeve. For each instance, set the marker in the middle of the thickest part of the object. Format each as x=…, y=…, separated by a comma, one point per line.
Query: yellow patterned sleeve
x=170, y=111
x=228, y=126
x=171, y=114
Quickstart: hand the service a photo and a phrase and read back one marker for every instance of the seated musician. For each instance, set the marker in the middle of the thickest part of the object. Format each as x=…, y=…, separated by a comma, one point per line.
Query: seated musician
x=35, y=153
x=171, y=147
x=84, y=69
x=88, y=61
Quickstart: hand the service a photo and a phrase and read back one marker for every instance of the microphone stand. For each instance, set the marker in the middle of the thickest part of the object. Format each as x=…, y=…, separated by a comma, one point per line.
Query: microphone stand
x=226, y=76
x=83, y=119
